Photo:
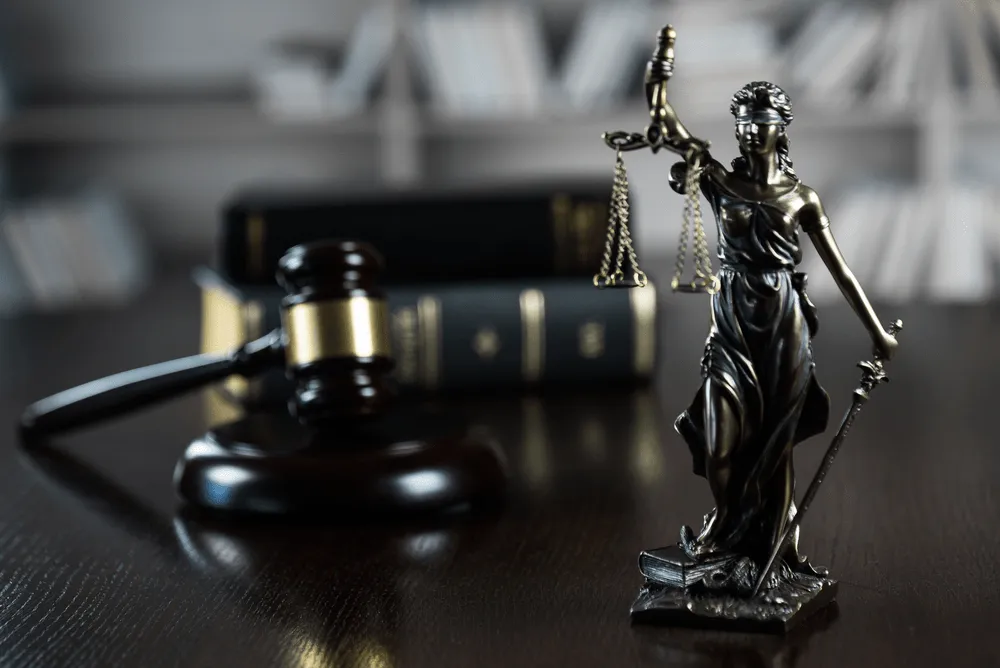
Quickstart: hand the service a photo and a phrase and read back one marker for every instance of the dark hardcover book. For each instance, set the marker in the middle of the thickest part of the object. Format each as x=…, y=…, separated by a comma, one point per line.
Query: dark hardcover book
x=484, y=336
x=426, y=235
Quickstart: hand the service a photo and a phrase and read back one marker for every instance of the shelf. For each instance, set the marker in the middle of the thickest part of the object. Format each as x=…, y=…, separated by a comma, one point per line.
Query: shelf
x=635, y=117
x=164, y=123
x=206, y=123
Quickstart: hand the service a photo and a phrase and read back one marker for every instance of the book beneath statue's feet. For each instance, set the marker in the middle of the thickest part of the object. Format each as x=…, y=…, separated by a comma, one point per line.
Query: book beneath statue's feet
x=680, y=591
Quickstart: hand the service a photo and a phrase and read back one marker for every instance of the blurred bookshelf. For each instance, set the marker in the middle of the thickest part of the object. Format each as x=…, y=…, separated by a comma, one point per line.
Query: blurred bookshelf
x=899, y=96
x=80, y=124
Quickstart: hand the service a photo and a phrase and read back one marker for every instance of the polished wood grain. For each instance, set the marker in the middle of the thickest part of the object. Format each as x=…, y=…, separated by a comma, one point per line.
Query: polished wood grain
x=101, y=566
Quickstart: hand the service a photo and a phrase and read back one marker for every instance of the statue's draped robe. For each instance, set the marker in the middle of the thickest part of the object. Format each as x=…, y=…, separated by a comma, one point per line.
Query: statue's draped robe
x=759, y=357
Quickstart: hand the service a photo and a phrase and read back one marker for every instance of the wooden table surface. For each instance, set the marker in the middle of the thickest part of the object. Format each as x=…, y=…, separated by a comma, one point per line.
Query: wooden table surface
x=100, y=566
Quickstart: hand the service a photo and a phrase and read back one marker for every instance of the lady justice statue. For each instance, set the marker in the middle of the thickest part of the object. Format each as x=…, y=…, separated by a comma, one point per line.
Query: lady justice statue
x=760, y=396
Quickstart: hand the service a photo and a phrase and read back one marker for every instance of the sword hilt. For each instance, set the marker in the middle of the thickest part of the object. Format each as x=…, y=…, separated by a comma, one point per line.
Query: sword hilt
x=873, y=372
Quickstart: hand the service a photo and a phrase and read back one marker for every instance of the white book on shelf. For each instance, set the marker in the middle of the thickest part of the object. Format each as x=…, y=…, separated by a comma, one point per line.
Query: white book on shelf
x=457, y=48
x=930, y=53
x=291, y=86
x=621, y=44
x=524, y=33
x=905, y=70
x=589, y=46
x=50, y=248
x=506, y=46
x=966, y=19
x=990, y=13
x=898, y=277
x=468, y=37
x=366, y=56
x=960, y=268
x=425, y=62
x=100, y=266
x=19, y=243
x=604, y=44
x=36, y=242
x=805, y=71
x=836, y=81
x=991, y=224
x=891, y=66
x=495, y=81
x=120, y=248
x=868, y=246
x=445, y=79
x=812, y=29
x=847, y=221
x=73, y=251
x=13, y=291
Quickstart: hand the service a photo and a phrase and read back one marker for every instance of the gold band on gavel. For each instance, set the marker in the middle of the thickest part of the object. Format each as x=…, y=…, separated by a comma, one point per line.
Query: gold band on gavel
x=354, y=327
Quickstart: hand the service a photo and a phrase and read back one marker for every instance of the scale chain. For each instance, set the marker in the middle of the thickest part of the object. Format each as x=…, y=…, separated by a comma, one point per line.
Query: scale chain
x=618, y=221
x=612, y=224
x=622, y=211
x=704, y=280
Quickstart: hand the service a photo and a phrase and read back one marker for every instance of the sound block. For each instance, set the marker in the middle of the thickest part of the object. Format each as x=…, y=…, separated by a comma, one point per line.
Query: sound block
x=410, y=461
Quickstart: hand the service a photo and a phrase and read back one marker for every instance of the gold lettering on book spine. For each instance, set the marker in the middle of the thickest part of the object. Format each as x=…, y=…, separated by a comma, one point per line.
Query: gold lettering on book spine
x=578, y=233
x=591, y=340
x=643, y=304
x=429, y=317
x=406, y=343
x=562, y=214
x=533, y=334
x=588, y=233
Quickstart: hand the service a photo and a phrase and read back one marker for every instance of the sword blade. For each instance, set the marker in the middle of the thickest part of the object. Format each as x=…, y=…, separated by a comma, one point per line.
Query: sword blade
x=872, y=375
x=860, y=398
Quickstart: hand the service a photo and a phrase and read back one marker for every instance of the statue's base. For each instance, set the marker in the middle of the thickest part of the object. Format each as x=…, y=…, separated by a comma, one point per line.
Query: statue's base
x=672, y=598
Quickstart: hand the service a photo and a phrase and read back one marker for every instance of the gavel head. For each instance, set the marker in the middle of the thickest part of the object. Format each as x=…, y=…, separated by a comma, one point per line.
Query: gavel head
x=336, y=328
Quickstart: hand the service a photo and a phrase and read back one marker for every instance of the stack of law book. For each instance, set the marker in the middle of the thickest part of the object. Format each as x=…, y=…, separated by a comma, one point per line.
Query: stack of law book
x=488, y=287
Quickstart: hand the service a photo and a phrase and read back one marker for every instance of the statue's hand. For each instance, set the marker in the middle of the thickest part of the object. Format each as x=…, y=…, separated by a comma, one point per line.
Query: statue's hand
x=689, y=147
x=885, y=346
x=695, y=145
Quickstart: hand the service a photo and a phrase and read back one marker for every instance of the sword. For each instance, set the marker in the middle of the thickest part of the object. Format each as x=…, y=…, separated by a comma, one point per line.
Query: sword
x=872, y=373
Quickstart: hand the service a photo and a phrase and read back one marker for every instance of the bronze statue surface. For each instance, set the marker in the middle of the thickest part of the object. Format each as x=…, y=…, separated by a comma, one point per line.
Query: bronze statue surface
x=760, y=395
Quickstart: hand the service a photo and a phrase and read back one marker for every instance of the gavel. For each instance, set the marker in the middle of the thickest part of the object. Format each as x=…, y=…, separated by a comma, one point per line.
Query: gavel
x=345, y=446
x=334, y=342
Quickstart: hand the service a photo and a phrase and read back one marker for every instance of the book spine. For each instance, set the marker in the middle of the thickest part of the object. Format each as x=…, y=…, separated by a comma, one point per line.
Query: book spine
x=470, y=337
x=557, y=234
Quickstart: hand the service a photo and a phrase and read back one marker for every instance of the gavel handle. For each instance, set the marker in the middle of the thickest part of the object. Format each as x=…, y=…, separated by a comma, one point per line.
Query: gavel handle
x=131, y=390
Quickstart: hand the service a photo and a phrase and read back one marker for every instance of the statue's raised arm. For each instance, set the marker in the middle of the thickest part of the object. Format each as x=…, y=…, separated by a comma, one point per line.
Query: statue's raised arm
x=664, y=125
x=665, y=130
